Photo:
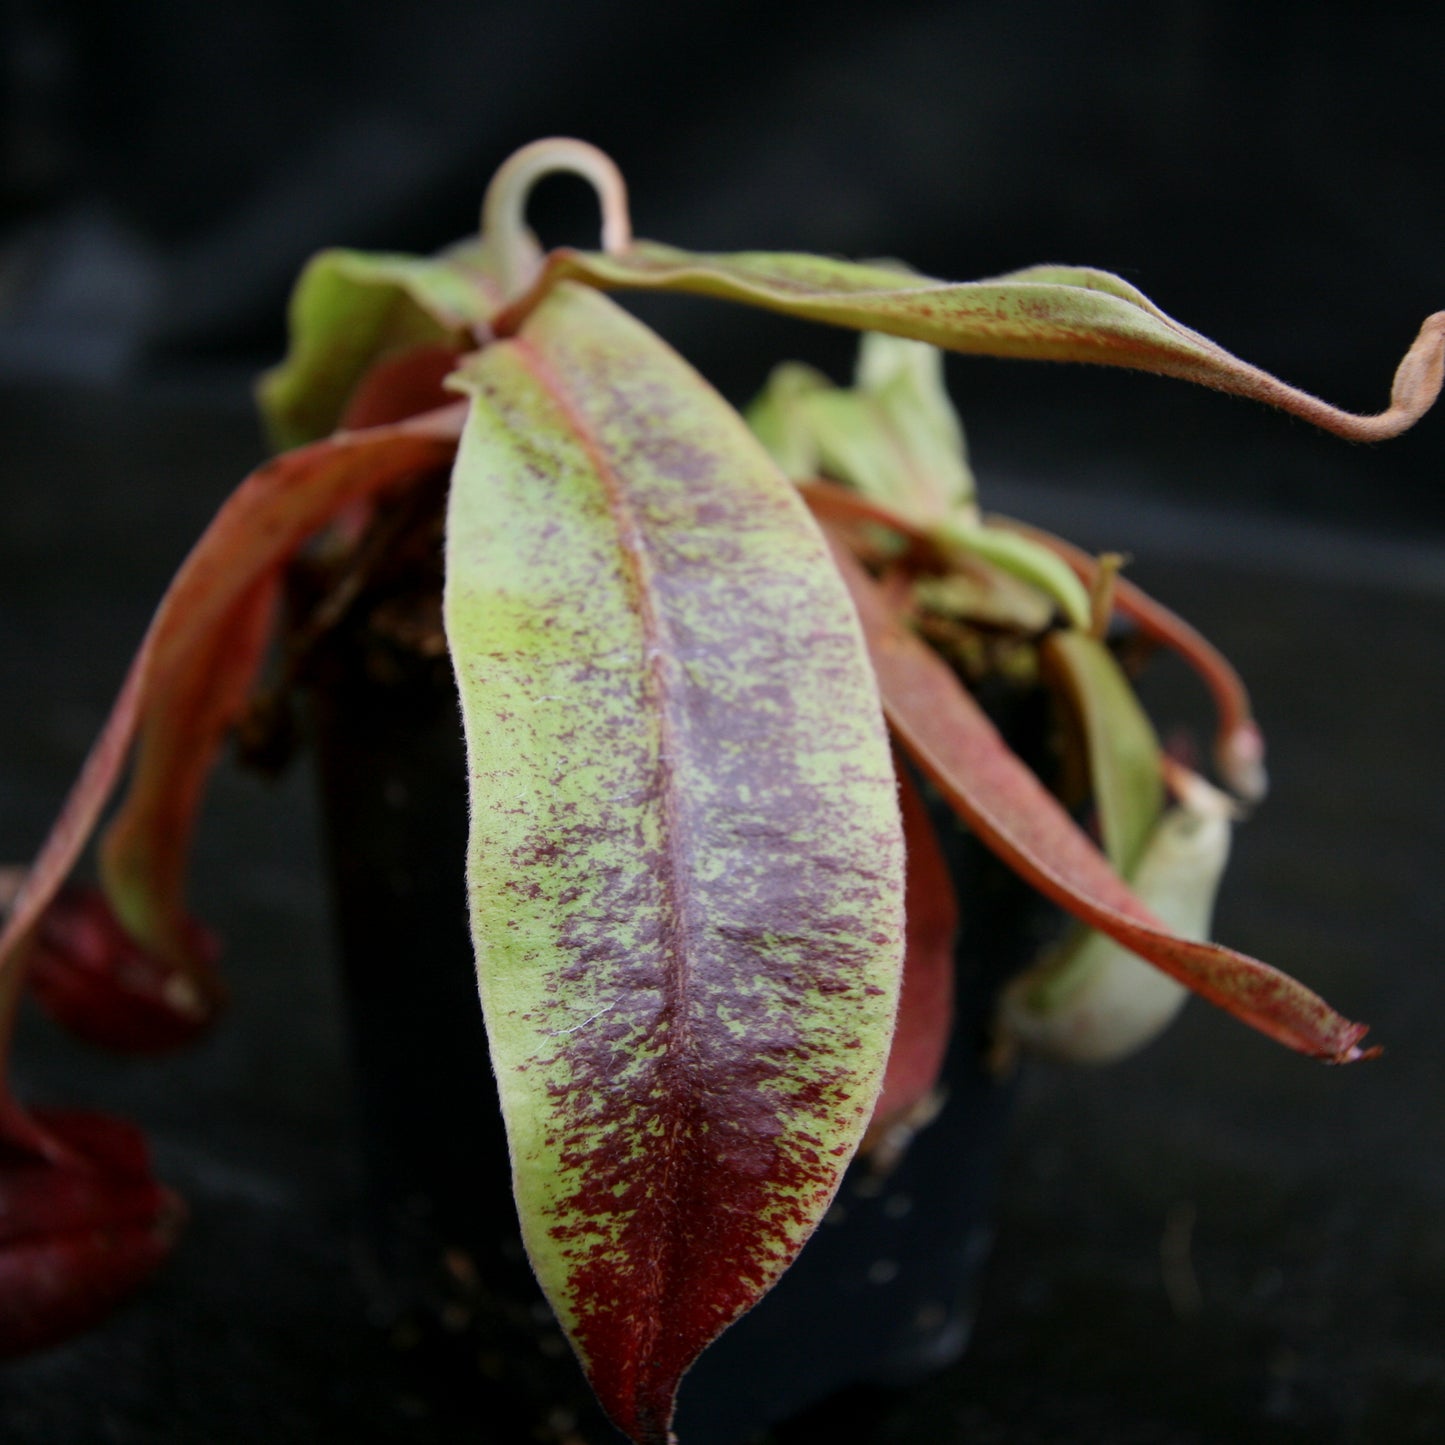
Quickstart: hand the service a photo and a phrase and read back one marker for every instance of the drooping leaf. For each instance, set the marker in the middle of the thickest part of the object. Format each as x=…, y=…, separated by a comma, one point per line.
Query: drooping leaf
x=948, y=736
x=1093, y=1002
x=1239, y=744
x=1044, y=313
x=685, y=865
x=1125, y=765
x=253, y=535
x=182, y=726
x=351, y=309
x=925, y=1001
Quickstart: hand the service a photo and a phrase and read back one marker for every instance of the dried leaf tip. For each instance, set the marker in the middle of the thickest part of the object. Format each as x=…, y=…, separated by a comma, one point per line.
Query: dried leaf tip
x=1352, y=1053
x=1239, y=756
x=1419, y=376
x=1418, y=380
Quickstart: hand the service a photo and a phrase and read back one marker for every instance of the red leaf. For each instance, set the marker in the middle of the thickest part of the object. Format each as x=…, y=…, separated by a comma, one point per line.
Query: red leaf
x=946, y=733
x=401, y=385
x=925, y=1004
x=1239, y=744
x=848, y=511
x=273, y=511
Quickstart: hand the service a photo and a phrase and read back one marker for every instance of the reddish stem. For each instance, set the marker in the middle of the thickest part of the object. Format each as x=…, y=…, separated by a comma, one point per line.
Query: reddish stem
x=1239, y=744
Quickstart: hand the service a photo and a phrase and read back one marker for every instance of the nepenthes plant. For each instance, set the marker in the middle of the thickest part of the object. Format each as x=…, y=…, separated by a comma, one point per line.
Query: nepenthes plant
x=713, y=670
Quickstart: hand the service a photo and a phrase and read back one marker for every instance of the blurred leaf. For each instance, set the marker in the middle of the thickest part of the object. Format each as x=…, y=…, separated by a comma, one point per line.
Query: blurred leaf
x=1093, y=1001
x=1022, y=558
x=96, y=981
x=77, y=1237
x=350, y=310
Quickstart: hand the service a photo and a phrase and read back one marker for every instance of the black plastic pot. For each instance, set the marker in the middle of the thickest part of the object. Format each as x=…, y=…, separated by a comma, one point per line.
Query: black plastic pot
x=884, y=1292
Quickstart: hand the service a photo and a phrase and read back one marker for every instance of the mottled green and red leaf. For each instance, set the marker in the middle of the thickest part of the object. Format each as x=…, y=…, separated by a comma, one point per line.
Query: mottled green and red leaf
x=685, y=866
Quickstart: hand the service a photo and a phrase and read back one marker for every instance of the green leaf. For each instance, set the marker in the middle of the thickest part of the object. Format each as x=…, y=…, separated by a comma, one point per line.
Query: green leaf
x=1125, y=763
x=895, y=439
x=685, y=865
x=1020, y=557
x=781, y=422
x=349, y=310
x=894, y=436
x=1044, y=313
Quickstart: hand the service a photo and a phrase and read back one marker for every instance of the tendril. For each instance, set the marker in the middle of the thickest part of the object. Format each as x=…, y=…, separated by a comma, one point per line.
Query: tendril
x=504, y=226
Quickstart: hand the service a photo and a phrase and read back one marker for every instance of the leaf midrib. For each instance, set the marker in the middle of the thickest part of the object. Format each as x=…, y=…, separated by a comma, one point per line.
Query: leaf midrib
x=640, y=568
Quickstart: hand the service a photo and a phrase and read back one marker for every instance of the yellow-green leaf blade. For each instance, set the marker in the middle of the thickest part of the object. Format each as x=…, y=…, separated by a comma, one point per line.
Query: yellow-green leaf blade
x=1125, y=759
x=1044, y=313
x=351, y=308
x=685, y=866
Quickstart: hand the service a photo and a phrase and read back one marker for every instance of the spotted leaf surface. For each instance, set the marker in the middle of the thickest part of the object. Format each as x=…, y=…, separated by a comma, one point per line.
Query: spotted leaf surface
x=1043, y=313
x=685, y=866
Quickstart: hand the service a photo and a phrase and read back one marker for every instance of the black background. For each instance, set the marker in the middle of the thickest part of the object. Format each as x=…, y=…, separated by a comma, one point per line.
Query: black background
x=1270, y=174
